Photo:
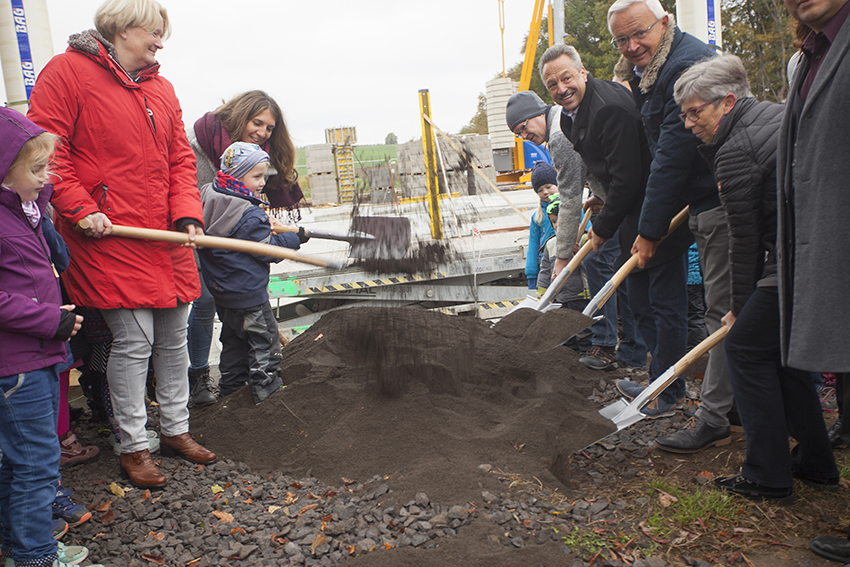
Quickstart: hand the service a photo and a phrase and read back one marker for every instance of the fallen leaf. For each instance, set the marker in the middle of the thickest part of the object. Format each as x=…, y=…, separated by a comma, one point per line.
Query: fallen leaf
x=273, y=509
x=312, y=496
x=290, y=499
x=154, y=559
x=320, y=539
x=743, y=530
x=117, y=490
x=249, y=501
x=306, y=509
x=108, y=518
x=228, y=485
x=706, y=475
x=388, y=545
x=347, y=480
x=239, y=530
x=199, y=468
x=351, y=549
x=146, y=495
x=295, y=485
x=224, y=517
x=105, y=506
x=158, y=537
x=319, y=336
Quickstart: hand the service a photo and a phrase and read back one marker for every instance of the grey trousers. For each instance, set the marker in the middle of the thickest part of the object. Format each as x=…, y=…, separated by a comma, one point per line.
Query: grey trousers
x=712, y=237
x=137, y=336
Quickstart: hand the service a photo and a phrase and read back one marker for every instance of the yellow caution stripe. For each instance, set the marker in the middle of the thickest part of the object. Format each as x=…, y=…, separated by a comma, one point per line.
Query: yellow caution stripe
x=374, y=283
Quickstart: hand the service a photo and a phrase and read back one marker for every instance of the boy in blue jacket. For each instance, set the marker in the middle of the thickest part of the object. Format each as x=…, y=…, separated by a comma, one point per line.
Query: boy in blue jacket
x=239, y=281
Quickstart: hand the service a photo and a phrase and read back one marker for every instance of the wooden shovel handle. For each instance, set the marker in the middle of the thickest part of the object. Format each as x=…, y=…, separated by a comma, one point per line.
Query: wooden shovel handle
x=583, y=227
x=632, y=262
x=217, y=242
x=703, y=347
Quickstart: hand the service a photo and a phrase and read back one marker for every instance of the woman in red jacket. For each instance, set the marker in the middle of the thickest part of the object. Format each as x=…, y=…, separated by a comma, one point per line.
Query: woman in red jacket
x=125, y=160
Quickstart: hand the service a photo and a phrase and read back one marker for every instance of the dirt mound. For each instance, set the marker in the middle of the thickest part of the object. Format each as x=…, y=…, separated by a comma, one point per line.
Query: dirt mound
x=417, y=395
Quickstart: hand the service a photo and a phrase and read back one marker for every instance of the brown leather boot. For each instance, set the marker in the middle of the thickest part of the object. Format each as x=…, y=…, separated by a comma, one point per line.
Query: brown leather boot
x=185, y=446
x=141, y=470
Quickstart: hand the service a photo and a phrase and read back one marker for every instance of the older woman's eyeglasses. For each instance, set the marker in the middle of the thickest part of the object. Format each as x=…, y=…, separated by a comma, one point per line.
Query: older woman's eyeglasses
x=621, y=42
x=693, y=113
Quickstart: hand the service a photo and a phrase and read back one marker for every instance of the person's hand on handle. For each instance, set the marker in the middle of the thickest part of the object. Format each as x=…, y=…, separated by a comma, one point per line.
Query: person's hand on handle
x=729, y=319
x=193, y=230
x=645, y=250
x=596, y=240
x=559, y=265
x=98, y=224
x=594, y=203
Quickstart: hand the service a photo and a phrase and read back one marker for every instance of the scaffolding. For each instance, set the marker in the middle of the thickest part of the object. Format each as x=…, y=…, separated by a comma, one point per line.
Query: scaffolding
x=342, y=139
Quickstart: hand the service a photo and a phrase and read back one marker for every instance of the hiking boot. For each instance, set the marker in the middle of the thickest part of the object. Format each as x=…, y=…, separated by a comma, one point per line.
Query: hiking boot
x=201, y=389
x=694, y=437
x=266, y=388
x=71, y=554
x=72, y=453
x=835, y=548
x=141, y=470
x=658, y=408
x=600, y=358
x=185, y=446
x=740, y=485
x=59, y=528
x=630, y=389
x=65, y=508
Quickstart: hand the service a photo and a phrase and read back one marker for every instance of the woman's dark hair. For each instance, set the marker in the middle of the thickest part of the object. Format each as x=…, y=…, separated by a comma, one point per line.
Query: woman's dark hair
x=235, y=115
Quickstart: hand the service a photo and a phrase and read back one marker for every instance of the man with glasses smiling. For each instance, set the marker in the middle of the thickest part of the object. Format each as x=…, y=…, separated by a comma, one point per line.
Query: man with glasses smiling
x=655, y=52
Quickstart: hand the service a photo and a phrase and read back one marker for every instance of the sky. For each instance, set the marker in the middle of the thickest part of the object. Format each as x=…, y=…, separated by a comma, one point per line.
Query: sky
x=331, y=63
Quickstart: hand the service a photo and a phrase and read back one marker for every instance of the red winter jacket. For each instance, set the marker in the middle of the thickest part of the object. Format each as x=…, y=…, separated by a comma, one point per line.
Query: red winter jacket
x=124, y=153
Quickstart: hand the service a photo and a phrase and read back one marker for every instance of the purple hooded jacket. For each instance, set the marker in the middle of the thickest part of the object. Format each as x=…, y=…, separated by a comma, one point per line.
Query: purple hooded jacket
x=29, y=287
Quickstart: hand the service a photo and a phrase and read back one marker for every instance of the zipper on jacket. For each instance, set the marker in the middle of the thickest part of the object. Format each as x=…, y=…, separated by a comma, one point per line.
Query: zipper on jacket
x=150, y=113
x=101, y=201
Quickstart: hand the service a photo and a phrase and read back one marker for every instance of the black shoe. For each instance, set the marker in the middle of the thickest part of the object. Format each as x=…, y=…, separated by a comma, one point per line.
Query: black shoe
x=739, y=485
x=201, y=389
x=694, y=437
x=825, y=484
x=835, y=548
x=835, y=434
x=600, y=358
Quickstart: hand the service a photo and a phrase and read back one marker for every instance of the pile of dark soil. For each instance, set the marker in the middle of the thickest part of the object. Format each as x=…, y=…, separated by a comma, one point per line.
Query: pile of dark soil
x=417, y=396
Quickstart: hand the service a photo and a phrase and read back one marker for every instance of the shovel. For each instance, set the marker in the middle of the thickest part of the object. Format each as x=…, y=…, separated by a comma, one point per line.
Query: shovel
x=247, y=246
x=624, y=414
x=375, y=238
x=608, y=289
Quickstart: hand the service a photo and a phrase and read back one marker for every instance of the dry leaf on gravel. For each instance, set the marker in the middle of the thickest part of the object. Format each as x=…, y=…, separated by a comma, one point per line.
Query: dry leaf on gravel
x=320, y=539
x=224, y=517
x=105, y=506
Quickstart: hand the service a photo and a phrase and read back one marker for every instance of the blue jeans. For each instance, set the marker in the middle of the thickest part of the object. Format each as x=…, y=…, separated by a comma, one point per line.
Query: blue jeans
x=200, y=331
x=659, y=299
x=632, y=349
x=599, y=268
x=774, y=401
x=29, y=410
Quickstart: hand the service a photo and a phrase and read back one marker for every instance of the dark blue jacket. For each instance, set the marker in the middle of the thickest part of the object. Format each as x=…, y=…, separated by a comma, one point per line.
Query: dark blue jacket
x=678, y=174
x=236, y=279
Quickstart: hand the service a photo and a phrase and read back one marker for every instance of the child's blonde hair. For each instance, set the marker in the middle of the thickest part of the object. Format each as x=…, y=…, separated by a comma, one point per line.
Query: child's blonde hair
x=35, y=152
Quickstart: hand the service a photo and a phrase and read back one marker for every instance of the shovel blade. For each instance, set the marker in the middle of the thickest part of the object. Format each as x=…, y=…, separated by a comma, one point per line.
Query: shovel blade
x=613, y=410
x=531, y=302
x=391, y=238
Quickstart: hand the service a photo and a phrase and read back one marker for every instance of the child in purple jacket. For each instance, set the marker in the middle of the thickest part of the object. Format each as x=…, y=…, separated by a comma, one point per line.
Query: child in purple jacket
x=33, y=327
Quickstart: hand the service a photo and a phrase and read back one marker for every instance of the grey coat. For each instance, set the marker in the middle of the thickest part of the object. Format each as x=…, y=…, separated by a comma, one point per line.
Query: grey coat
x=571, y=175
x=814, y=230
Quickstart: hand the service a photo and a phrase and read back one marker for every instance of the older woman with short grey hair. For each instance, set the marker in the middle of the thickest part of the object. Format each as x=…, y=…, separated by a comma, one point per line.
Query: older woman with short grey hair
x=741, y=136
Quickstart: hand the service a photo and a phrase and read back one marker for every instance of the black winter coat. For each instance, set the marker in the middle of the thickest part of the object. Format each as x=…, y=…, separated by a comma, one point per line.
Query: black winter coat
x=742, y=156
x=608, y=134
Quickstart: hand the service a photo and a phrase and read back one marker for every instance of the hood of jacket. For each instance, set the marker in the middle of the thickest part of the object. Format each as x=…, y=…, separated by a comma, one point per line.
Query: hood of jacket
x=15, y=130
x=101, y=50
x=624, y=70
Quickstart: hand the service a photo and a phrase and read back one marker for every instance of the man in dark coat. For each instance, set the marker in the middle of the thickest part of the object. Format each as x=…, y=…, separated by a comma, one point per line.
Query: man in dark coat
x=655, y=52
x=813, y=201
x=604, y=125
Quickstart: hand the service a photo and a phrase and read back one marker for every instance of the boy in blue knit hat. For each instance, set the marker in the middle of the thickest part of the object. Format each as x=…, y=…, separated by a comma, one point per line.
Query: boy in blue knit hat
x=238, y=281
